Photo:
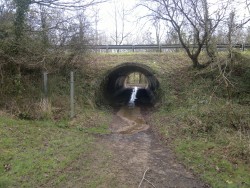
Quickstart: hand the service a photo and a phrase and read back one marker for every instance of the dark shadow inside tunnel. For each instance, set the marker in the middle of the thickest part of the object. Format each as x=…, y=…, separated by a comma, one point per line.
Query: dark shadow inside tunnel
x=118, y=85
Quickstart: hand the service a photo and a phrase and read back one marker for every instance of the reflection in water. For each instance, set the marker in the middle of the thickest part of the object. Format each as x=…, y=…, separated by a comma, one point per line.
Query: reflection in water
x=133, y=97
x=134, y=121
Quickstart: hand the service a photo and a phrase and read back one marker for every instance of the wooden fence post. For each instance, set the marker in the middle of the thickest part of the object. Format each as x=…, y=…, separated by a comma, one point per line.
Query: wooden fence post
x=107, y=48
x=72, y=102
x=45, y=85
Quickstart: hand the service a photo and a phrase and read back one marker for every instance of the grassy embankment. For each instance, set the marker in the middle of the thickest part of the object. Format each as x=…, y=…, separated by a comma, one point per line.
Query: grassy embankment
x=209, y=132
x=39, y=145
x=207, y=123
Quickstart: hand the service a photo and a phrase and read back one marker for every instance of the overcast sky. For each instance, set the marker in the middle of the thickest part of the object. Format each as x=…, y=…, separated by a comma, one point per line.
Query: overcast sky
x=134, y=24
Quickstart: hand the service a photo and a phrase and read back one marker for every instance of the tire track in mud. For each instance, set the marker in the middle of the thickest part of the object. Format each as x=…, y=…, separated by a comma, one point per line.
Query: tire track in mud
x=136, y=150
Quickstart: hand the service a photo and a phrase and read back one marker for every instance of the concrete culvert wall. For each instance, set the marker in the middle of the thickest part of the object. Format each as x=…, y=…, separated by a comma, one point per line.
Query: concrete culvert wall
x=116, y=92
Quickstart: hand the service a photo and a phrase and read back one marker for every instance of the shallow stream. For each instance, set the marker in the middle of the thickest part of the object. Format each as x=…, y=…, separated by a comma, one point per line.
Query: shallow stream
x=134, y=121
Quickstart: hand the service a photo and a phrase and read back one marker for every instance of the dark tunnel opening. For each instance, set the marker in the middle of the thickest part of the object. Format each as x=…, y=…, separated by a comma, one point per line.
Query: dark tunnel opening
x=117, y=86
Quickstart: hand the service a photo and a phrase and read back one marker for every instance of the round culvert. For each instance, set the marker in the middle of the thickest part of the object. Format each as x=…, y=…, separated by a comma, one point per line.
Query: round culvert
x=118, y=83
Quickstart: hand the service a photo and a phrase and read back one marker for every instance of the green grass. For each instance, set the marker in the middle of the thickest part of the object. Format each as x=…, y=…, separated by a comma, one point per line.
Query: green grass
x=216, y=152
x=93, y=121
x=207, y=159
x=33, y=153
x=209, y=131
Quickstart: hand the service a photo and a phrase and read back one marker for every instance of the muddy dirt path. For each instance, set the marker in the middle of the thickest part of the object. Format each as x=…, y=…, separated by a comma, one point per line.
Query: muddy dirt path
x=137, y=153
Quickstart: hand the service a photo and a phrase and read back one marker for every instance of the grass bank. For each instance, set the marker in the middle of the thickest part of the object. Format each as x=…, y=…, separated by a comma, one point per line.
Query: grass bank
x=51, y=154
x=208, y=123
x=41, y=147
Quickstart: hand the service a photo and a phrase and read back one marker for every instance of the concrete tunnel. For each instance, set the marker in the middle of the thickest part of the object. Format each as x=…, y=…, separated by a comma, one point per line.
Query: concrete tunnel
x=117, y=93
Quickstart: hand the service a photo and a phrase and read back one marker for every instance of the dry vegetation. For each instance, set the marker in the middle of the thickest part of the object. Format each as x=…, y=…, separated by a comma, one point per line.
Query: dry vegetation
x=208, y=125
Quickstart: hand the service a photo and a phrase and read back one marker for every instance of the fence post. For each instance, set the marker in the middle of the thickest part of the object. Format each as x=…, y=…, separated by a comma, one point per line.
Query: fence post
x=72, y=110
x=243, y=47
x=107, y=48
x=159, y=48
x=45, y=85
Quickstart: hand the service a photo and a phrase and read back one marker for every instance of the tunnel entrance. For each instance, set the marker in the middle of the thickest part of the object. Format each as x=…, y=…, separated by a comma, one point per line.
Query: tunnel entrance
x=119, y=83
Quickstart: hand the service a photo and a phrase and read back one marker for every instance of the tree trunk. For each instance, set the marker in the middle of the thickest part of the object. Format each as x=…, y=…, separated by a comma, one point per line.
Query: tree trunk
x=45, y=38
x=196, y=63
x=22, y=7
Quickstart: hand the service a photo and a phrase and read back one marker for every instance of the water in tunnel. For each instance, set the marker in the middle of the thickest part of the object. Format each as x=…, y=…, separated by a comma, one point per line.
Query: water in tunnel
x=120, y=82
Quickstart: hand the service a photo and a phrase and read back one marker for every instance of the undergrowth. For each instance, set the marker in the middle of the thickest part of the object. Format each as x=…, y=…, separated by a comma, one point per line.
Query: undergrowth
x=209, y=127
x=22, y=94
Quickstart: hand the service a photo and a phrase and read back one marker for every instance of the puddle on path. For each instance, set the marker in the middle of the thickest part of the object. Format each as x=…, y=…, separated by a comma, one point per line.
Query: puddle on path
x=133, y=122
x=135, y=148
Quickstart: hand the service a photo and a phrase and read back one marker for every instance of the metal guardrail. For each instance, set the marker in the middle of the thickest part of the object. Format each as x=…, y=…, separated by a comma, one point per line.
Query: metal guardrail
x=158, y=47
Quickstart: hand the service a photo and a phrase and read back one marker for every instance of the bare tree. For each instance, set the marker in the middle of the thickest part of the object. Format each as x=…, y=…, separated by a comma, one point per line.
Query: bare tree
x=120, y=15
x=159, y=30
x=233, y=28
x=171, y=36
x=188, y=16
x=147, y=38
x=44, y=26
x=157, y=27
x=6, y=18
x=247, y=39
x=80, y=36
x=45, y=32
x=248, y=5
x=96, y=22
x=22, y=7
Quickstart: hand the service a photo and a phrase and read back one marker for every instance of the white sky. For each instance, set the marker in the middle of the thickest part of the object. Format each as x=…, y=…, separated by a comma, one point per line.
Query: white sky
x=107, y=11
x=107, y=20
x=107, y=17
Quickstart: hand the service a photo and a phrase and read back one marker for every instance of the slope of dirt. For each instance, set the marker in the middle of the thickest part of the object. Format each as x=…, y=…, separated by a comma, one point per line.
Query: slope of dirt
x=137, y=153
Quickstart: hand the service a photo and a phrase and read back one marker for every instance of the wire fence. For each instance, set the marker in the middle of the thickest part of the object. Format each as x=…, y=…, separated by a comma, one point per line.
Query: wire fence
x=58, y=97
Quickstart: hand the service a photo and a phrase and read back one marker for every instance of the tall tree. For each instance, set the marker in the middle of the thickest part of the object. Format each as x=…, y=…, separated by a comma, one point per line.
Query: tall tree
x=159, y=30
x=22, y=7
x=6, y=18
x=188, y=16
x=120, y=16
x=44, y=26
